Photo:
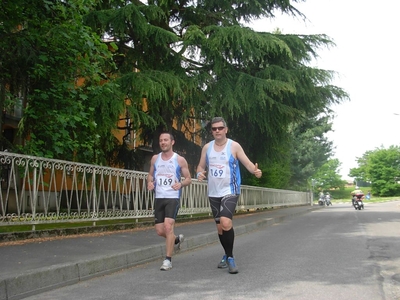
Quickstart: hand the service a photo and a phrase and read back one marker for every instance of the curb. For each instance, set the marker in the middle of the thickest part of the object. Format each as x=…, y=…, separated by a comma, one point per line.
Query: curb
x=56, y=276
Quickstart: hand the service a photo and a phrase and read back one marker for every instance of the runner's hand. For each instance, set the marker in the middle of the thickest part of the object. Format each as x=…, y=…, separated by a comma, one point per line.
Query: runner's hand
x=201, y=175
x=257, y=171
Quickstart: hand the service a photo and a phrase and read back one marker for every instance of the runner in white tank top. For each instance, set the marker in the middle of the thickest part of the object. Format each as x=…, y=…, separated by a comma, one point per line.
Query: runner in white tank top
x=167, y=173
x=221, y=157
x=223, y=171
x=164, y=178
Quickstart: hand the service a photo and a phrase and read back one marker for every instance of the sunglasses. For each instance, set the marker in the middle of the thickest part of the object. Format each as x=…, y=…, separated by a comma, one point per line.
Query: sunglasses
x=219, y=128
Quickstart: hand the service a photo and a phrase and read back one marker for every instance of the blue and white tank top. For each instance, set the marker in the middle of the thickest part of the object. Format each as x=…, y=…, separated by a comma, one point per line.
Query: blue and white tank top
x=223, y=171
x=166, y=173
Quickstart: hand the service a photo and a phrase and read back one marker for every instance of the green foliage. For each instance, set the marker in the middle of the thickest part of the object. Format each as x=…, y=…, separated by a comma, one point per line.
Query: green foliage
x=381, y=167
x=344, y=194
x=197, y=60
x=327, y=177
x=49, y=51
x=190, y=60
x=310, y=148
x=276, y=173
x=337, y=194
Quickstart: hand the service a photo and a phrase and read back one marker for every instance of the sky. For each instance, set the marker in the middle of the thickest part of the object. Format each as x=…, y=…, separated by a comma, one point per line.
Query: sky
x=366, y=59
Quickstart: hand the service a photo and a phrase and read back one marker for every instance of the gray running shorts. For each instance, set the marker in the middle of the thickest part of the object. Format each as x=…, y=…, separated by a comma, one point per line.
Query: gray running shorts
x=223, y=206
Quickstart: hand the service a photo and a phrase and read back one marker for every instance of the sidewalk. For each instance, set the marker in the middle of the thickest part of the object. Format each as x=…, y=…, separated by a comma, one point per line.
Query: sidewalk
x=32, y=268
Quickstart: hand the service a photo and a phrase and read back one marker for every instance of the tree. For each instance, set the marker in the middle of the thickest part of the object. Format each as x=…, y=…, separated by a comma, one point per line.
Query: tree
x=381, y=167
x=189, y=61
x=310, y=148
x=57, y=66
x=327, y=177
x=197, y=60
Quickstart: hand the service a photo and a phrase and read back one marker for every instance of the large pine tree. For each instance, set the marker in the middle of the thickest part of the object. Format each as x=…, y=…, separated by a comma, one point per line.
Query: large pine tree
x=198, y=59
x=190, y=60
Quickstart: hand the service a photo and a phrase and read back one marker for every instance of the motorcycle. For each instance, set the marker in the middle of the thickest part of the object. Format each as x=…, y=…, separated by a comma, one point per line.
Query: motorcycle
x=321, y=200
x=328, y=200
x=358, y=202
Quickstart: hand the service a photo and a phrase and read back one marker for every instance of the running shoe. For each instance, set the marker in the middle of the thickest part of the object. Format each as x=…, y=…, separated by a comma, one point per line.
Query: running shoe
x=177, y=246
x=166, y=265
x=233, y=269
x=222, y=264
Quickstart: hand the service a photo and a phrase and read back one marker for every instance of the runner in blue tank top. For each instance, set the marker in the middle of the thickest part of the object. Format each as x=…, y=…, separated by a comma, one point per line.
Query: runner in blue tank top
x=221, y=158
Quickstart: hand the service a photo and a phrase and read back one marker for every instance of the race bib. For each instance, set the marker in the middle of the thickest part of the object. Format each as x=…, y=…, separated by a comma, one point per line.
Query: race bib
x=165, y=180
x=217, y=171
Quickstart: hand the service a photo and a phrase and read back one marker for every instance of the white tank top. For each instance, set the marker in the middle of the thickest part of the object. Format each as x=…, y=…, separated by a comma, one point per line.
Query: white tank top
x=223, y=171
x=166, y=173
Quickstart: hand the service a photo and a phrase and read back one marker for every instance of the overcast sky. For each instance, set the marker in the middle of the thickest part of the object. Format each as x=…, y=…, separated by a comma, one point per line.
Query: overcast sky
x=367, y=60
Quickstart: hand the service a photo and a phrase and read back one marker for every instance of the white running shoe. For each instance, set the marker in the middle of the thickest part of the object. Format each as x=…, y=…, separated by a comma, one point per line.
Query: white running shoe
x=166, y=265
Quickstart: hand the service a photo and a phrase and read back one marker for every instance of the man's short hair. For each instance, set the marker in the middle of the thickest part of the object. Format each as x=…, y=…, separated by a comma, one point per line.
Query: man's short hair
x=218, y=119
x=170, y=135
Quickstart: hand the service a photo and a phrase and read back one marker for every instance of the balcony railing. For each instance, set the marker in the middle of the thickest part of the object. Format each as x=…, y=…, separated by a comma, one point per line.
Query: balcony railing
x=39, y=190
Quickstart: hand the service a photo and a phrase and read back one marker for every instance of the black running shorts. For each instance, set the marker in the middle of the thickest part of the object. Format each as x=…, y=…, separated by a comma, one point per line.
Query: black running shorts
x=165, y=208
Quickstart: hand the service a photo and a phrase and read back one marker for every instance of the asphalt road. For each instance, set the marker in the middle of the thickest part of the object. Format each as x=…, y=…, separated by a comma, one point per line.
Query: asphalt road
x=331, y=253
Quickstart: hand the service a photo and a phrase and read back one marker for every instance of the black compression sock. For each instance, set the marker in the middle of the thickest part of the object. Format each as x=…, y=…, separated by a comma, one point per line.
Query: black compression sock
x=228, y=238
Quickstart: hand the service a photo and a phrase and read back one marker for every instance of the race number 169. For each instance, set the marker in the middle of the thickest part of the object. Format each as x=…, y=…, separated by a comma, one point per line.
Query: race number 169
x=217, y=173
x=165, y=181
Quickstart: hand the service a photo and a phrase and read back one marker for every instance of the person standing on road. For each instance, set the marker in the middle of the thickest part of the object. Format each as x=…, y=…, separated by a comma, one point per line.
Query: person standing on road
x=221, y=157
x=164, y=178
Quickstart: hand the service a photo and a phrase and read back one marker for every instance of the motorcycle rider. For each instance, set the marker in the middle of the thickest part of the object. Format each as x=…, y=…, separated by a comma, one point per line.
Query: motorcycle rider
x=356, y=194
x=328, y=198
